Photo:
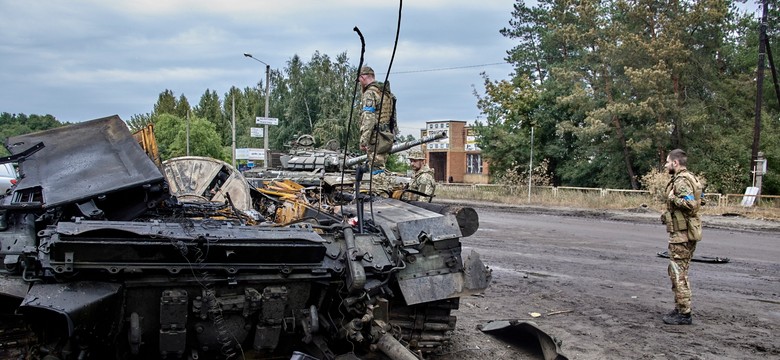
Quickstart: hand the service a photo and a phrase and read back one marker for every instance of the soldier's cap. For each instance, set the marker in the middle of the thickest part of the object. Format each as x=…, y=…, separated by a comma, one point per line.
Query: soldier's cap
x=366, y=70
x=416, y=154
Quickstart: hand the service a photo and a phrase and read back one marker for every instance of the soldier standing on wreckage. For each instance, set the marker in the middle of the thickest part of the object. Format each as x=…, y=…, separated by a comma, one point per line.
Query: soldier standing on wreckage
x=377, y=125
x=683, y=200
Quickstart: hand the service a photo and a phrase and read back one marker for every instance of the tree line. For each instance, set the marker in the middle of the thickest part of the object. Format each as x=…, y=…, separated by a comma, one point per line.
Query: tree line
x=610, y=86
x=311, y=97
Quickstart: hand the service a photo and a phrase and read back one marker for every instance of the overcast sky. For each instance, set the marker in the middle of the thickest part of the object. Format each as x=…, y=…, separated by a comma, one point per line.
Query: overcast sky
x=84, y=59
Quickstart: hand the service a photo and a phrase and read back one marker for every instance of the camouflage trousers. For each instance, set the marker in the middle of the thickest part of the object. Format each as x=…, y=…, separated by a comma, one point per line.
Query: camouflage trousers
x=680, y=255
x=381, y=183
x=376, y=162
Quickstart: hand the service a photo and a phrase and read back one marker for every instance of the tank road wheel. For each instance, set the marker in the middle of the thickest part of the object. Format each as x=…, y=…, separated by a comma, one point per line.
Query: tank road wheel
x=426, y=327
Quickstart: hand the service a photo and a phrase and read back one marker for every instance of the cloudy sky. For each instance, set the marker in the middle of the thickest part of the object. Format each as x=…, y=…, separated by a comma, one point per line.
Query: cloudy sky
x=84, y=59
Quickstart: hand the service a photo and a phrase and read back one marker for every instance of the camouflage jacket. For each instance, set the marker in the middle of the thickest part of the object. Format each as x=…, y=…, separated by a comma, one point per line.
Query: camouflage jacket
x=684, y=193
x=371, y=114
x=423, y=182
x=683, y=200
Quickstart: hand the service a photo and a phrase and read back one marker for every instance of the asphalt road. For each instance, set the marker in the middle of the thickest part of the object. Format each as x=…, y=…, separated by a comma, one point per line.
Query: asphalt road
x=601, y=289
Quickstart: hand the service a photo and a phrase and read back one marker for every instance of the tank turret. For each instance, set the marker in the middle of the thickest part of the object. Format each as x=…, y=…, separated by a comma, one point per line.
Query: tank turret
x=305, y=158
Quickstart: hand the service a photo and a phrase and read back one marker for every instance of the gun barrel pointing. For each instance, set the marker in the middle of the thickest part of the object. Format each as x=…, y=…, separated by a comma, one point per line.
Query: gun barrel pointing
x=401, y=147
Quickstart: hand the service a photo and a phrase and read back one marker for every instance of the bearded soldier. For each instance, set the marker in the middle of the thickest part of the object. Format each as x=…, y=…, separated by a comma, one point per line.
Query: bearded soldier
x=683, y=200
x=422, y=181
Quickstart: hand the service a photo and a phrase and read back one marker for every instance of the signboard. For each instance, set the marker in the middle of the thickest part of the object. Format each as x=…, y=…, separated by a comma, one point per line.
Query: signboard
x=250, y=154
x=256, y=132
x=266, y=121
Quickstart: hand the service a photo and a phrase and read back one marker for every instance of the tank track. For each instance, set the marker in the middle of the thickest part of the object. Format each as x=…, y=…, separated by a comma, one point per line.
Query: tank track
x=17, y=340
x=425, y=327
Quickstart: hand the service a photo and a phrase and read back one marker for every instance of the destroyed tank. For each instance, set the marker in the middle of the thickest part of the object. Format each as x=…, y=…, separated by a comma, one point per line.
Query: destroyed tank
x=328, y=165
x=103, y=261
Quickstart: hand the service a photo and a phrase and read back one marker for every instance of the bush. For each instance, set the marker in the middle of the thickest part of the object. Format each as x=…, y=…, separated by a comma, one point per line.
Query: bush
x=515, y=177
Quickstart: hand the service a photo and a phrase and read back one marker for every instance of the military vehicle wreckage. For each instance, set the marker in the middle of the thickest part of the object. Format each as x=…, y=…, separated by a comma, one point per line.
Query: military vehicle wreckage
x=108, y=256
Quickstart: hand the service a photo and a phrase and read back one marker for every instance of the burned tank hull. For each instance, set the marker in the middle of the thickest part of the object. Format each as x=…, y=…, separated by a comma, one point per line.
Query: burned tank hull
x=121, y=268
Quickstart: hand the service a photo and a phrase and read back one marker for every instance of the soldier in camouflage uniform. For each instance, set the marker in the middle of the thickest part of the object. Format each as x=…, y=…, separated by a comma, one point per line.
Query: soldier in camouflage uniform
x=423, y=177
x=377, y=119
x=377, y=127
x=684, y=198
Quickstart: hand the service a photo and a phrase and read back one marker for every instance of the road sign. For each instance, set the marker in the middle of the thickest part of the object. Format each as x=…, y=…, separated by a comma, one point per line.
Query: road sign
x=256, y=132
x=266, y=121
x=250, y=154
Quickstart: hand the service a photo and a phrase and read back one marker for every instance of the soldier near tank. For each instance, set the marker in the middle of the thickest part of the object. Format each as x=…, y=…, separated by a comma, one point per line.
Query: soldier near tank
x=377, y=119
x=683, y=200
x=422, y=181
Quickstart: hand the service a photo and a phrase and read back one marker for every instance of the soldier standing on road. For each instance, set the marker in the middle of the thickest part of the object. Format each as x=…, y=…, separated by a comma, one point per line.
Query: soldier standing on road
x=422, y=181
x=683, y=200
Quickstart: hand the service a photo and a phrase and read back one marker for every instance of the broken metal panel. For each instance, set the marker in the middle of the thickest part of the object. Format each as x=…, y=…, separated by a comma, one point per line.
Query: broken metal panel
x=414, y=224
x=515, y=331
x=419, y=288
x=82, y=161
x=201, y=179
x=88, y=308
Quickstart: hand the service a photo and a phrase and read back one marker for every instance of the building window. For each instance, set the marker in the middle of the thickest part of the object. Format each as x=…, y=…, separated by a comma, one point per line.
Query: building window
x=474, y=163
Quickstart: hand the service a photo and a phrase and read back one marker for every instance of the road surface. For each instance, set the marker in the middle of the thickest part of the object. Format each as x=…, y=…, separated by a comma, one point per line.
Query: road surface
x=601, y=289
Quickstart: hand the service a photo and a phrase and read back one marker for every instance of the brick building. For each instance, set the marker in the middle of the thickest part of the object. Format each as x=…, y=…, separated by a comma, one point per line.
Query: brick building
x=456, y=158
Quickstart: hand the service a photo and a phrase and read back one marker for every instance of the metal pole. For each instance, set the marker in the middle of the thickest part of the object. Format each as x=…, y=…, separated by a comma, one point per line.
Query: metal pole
x=531, y=164
x=265, y=127
x=234, y=131
x=188, y=133
x=759, y=84
x=267, y=96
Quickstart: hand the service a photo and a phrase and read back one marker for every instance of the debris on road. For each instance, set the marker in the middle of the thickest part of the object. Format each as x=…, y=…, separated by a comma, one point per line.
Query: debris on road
x=521, y=333
x=697, y=258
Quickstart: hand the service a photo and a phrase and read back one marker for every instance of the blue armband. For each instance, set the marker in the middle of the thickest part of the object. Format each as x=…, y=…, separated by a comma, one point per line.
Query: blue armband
x=689, y=197
x=369, y=109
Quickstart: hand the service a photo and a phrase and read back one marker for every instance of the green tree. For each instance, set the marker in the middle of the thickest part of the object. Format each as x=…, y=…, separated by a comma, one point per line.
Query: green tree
x=210, y=108
x=505, y=136
x=139, y=121
x=171, y=134
x=20, y=124
x=166, y=103
x=621, y=82
x=182, y=108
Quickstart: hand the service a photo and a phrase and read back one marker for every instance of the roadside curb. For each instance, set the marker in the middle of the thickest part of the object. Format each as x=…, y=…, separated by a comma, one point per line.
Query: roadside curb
x=638, y=215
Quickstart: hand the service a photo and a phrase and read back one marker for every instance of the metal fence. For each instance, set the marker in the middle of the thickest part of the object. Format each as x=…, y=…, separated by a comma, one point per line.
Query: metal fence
x=496, y=190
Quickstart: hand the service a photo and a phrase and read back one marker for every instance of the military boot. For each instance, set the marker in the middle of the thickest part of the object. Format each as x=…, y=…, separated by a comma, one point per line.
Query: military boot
x=676, y=318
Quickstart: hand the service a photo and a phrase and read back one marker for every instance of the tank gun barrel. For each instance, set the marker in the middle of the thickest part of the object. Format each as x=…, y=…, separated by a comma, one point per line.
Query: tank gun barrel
x=401, y=147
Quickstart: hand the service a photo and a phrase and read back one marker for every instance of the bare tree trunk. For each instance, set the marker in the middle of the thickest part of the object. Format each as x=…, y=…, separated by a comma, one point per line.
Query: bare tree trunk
x=621, y=136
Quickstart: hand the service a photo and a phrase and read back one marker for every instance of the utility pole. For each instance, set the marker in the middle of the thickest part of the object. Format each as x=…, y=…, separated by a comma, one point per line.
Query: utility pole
x=266, y=155
x=267, y=96
x=762, y=40
x=234, y=130
x=531, y=165
x=188, y=133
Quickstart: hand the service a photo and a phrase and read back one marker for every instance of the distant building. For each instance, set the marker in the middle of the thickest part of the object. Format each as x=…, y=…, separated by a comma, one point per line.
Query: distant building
x=456, y=158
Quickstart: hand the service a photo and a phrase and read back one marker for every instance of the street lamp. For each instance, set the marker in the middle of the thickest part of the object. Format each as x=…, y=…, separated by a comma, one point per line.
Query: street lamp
x=267, y=93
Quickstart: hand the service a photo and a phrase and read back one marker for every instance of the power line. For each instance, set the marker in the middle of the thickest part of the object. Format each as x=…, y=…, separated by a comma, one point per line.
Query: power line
x=444, y=69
